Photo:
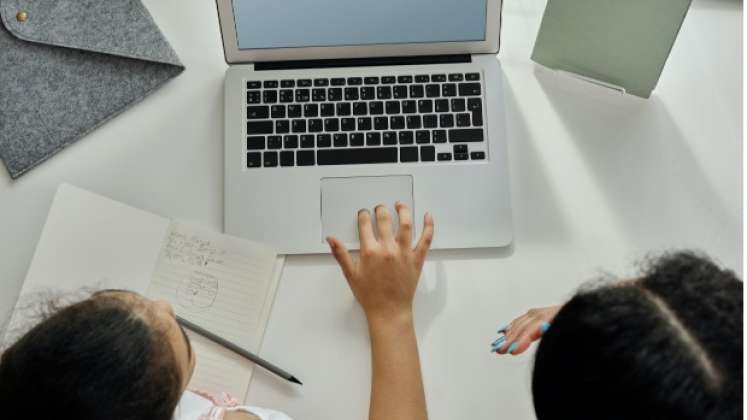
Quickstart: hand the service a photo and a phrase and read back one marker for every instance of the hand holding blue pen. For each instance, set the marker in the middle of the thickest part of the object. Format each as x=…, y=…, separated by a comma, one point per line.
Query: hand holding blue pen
x=516, y=337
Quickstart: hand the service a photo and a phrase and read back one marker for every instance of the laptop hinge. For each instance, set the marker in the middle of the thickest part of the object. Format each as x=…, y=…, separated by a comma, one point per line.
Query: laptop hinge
x=363, y=62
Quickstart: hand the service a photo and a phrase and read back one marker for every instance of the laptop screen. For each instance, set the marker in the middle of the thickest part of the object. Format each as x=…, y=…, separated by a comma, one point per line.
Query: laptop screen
x=262, y=24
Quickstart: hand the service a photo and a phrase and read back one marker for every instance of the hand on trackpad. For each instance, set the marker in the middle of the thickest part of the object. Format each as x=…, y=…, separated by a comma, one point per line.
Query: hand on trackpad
x=343, y=197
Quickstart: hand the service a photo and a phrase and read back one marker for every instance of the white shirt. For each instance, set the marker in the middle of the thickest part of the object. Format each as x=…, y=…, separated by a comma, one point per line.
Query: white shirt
x=194, y=406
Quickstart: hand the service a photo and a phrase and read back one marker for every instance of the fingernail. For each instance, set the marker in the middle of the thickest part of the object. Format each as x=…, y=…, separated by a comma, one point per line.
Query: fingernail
x=502, y=346
x=544, y=327
x=498, y=341
x=502, y=330
x=513, y=347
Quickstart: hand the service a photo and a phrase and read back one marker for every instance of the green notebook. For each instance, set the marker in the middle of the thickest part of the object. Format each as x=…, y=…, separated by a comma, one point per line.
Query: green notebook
x=619, y=42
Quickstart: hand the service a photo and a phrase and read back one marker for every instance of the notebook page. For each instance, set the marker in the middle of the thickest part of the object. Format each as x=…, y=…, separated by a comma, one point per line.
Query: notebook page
x=225, y=285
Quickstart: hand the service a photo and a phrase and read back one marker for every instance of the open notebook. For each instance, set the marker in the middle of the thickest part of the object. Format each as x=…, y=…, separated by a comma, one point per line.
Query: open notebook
x=224, y=284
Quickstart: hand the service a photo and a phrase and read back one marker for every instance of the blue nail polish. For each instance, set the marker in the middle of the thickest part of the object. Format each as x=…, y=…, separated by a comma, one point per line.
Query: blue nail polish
x=498, y=341
x=513, y=347
x=544, y=327
x=503, y=330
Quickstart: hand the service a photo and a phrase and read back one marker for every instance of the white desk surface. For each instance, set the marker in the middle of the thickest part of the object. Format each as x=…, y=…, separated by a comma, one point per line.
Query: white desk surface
x=598, y=181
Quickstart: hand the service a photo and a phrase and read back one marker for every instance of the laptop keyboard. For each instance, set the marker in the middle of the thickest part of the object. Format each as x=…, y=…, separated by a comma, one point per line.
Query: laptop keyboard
x=365, y=120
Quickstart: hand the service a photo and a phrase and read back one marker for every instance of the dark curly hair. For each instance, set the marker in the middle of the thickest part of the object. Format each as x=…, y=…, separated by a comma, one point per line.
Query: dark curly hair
x=96, y=359
x=667, y=345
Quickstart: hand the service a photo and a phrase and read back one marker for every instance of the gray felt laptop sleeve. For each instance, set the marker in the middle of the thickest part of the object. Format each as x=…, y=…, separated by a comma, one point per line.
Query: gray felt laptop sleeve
x=68, y=66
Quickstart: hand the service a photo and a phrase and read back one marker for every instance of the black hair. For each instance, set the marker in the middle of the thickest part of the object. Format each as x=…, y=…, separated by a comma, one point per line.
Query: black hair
x=96, y=359
x=667, y=345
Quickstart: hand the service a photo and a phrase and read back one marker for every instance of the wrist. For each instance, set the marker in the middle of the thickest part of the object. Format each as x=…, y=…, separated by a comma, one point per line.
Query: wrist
x=391, y=321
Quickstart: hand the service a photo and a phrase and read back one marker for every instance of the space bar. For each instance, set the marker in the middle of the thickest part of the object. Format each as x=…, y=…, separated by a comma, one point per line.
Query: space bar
x=357, y=156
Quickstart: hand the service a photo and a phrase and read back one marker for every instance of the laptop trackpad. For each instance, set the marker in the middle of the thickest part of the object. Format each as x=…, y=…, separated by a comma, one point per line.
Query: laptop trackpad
x=343, y=197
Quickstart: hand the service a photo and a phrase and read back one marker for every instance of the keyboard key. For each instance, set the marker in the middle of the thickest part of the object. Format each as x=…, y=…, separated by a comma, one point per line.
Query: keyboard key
x=254, y=160
x=397, y=123
x=307, y=141
x=331, y=124
x=343, y=109
x=425, y=106
x=381, y=123
x=393, y=107
x=474, y=104
x=422, y=137
x=271, y=84
x=351, y=94
x=303, y=95
x=364, y=124
x=274, y=142
x=414, y=122
x=469, y=89
x=417, y=91
x=388, y=80
x=373, y=139
x=464, y=120
x=404, y=79
x=458, y=105
x=334, y=94
x=472, y=76
x=466, y=135
x=255, y=143
x=408, y=154
x=286, y=96
x=461, y=156
x=294, y=111
x=340, y=140
x=423, y=78
x=384, y=92
x=368, y=93
x=315, y=125
x=442, y=157
x=389, y=138
x=442, y=105
x=277, y=111
x=438, y=78
x=253, y=97
x=298, y=126
x=311, y=110
x=321, y=82
x=338, y=81
x=427, y=153
x=433, y=91
x=456, y=77
x=290, y=142
x=371, y=80
x=356, y=139
x=376, y=108
x=287, y=83
x=327, y=110
x=409, y=107
x=477, y=118
x=254, y=84
x=449, y=89
x=430, y=121
x=347, y=124
x=323, y=140
x=304, y=83
x=477, y=155
x=259, y=127
x=360, y=108
x=406, y=137
x=287, y=158
x=257, y=112
x=282, y=126
x=439, y=136
x=460, y=148
x=399, y=92
x=355, y=81
x=319, y=95
x=269, y=96
x=271, y=159
x=306, y=157
x=357, y=156
x=446, y=120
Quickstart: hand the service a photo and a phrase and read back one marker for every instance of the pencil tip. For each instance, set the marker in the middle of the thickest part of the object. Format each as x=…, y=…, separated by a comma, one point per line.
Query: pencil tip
x=293, y=379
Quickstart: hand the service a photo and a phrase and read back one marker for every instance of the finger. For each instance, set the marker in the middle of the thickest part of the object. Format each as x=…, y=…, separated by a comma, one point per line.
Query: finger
x=404, y=237
x=384, y=223
x=426, y=238
x=513, y=335
x=343, y=257
x=365, y=230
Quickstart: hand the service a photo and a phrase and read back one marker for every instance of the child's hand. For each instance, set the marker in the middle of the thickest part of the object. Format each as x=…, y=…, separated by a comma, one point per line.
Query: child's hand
x=522, y=331
x=386, y=275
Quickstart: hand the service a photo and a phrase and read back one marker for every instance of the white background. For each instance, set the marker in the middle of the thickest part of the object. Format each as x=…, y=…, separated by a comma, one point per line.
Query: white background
x=598, y=182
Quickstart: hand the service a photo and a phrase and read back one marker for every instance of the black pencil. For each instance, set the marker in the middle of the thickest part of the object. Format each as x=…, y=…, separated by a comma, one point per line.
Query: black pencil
x=238, y=350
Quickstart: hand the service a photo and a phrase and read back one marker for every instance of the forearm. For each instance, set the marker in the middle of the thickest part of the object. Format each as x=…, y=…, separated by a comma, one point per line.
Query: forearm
x=397, y=385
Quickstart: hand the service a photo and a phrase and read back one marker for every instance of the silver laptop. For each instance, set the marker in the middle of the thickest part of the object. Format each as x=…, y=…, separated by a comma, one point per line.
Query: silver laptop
x=336, y=105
